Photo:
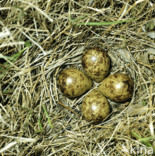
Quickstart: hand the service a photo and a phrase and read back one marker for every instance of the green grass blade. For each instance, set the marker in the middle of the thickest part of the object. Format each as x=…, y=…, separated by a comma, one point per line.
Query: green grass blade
x=47, y=116
x=11, y=59
x=40, y=130
x=145, y=141
x=102, y=23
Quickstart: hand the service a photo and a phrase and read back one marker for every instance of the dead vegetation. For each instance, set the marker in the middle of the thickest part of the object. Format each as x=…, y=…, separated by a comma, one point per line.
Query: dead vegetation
x=40, y=38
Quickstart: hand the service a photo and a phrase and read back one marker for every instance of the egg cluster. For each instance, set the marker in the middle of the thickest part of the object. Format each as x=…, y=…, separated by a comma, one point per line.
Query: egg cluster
x=117, y=87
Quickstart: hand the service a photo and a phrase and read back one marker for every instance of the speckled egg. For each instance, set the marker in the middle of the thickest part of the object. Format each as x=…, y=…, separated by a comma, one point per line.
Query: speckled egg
x=96, y=64
x=95, y=106
x=73, y=82
x=117, y=87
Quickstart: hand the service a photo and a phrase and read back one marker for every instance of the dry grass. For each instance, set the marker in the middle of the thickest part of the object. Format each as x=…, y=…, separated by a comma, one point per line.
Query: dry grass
x=40, y=38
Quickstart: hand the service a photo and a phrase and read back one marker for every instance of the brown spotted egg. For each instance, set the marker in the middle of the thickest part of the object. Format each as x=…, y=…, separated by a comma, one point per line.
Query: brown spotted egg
x=96, y=64
x=73, y=82
x=117, y=87
x=95, y=106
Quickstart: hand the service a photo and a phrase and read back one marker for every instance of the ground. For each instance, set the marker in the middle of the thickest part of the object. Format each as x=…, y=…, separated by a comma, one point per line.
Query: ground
x=40, y=38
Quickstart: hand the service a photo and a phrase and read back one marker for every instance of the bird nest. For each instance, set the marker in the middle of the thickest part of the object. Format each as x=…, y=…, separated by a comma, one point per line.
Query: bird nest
x=40, y=38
